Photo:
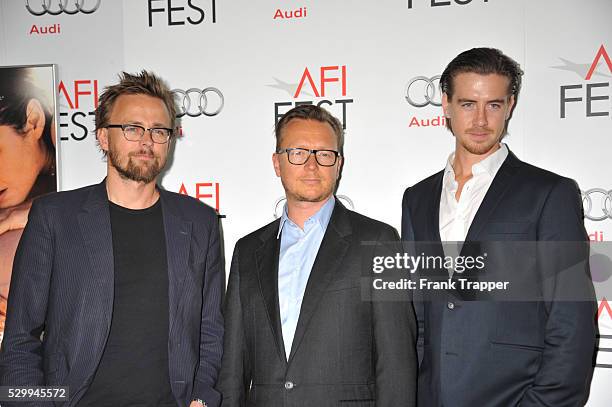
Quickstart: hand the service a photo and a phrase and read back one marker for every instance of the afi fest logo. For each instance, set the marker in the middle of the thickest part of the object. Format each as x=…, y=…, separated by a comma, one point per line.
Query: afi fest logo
x=421, y=92
x=592, y=95
x=316, y=85
x=181, y=12
x=604, y=320
x=55, y=8
x=78, y=101
x=207, y=192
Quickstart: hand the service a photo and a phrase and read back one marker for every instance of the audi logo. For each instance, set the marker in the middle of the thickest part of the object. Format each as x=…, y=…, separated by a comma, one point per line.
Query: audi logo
x=194, y=102
x=597, y=204
x=78, y=6
x=348, y=202
x=422, y=91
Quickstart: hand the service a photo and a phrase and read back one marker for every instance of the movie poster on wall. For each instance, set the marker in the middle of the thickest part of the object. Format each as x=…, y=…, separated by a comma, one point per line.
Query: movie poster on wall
x=28, y=156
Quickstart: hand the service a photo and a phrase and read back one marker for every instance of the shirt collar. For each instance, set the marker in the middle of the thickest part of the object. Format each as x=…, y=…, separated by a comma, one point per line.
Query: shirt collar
x=489, y=165
x=322, y=216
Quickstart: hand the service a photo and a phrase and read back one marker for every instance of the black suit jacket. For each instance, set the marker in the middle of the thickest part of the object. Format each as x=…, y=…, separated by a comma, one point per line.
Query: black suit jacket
x=346, y=351
x=62, y=285
x=488, y=353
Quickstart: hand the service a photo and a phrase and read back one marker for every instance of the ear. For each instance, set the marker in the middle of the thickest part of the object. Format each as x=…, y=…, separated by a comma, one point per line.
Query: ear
x=339, y=167
x=445, y=106
x=276, y=164
x=102, y=136
x=35, y=119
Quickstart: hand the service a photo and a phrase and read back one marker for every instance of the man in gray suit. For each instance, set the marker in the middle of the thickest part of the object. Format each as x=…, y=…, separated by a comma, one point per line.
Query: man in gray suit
x=298, y=332
x=116, y=287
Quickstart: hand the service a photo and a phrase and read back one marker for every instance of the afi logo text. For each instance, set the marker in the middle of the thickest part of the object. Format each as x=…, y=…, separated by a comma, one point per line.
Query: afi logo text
x=593, y=97
x=180, y=12
x=81, y=99
x=207, y=192
x=320, y=82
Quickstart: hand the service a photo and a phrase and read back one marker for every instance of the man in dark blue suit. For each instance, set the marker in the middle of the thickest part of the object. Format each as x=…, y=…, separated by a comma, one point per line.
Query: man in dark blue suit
x=538, y=349
x=116, y=288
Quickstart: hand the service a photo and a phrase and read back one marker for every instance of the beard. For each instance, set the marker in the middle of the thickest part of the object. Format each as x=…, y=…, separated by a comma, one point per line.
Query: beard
x=146, y=172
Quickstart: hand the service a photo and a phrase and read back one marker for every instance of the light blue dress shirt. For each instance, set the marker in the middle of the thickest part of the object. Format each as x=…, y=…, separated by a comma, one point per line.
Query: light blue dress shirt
x=298, y=251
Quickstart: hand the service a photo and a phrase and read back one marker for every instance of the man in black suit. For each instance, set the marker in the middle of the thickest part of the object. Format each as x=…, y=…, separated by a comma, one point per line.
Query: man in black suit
x=116, y=287
x=496, y=353
x=298, y=332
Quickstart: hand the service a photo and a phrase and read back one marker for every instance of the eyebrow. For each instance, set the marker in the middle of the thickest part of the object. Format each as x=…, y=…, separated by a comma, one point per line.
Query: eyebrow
x=155, y=125
x=488, y=101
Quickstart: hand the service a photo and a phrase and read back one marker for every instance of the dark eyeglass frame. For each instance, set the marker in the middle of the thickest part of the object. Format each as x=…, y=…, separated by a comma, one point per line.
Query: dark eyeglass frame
x=144, y=130
x=310, y=152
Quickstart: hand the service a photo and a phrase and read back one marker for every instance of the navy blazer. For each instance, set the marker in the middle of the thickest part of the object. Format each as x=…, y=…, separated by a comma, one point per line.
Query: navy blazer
x=62, y=287
x=491, y=353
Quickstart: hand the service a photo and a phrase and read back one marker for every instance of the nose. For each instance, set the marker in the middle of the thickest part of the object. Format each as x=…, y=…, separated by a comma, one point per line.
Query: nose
x=147, y=139
x=481, y=116
x=311, y=163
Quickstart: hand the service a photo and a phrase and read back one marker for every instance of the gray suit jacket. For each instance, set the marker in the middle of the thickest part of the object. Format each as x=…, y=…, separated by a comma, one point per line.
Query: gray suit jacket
x=62, y=285
x=346, y=351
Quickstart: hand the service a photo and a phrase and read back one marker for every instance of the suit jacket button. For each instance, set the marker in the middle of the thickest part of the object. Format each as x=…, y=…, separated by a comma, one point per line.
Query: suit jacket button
x=450, y=305
x=289, y=385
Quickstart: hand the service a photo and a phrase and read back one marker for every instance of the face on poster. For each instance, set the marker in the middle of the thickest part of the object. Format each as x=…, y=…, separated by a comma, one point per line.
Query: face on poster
x=28, y=155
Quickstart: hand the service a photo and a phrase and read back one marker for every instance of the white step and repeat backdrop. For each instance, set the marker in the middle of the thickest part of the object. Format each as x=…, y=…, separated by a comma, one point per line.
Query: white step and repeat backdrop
x=238, y=65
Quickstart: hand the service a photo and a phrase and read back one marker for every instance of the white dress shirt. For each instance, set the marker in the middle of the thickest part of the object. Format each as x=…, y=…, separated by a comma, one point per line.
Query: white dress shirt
x=457, y=216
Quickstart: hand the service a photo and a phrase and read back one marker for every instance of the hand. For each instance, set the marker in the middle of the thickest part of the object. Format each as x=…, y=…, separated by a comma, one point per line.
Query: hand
x=196, y=404
x=14, y=217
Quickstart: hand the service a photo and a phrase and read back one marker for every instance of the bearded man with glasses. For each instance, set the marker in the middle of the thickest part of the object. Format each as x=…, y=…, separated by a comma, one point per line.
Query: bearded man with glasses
x=297, y=331
x=116, y=287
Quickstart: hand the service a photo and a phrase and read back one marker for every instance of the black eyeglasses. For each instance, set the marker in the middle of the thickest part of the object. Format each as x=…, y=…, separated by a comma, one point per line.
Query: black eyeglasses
x=134, y=132
x=299, y=156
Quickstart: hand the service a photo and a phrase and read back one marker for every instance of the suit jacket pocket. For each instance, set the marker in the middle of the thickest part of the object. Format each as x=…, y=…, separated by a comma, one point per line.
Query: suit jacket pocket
x=357, y=403
x=343, y=284
x=520, y=325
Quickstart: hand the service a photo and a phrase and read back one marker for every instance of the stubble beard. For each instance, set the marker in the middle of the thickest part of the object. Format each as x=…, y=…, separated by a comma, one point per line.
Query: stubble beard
x=480, y=148
x=299, y=197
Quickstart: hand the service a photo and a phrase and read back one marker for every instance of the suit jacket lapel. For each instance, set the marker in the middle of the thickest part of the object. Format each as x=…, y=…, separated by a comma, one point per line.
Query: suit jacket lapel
x=95, y=226
x=434, y=209
x=178, y=243
x=494, y=195
x=329, y=257
x=266, y=257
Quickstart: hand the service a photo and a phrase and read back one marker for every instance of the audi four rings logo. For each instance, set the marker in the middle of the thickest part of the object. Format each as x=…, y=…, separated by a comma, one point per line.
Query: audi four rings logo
x=62, y=7
x=422, y=91
x=597, y=204
x=195, y=102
